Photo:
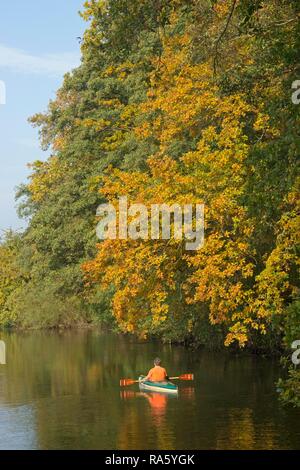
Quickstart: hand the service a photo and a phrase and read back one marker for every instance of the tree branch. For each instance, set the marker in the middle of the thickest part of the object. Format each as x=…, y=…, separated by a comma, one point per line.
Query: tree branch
x=222, y=34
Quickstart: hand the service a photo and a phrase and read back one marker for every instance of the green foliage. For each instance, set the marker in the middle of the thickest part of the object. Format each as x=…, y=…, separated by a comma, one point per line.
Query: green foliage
x=289, y=388
x=292, y=323
x=12, y=277
x=101, y=117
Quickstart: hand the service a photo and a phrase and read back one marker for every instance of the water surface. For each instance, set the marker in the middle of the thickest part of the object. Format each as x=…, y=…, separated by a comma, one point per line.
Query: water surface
x=61, y=391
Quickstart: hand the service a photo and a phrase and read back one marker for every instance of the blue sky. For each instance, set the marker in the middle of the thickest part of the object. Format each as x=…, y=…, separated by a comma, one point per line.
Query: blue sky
x=38, y=44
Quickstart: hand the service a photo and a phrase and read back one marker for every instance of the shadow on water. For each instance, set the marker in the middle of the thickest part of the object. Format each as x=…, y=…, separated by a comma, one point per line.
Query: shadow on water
x=61, y=391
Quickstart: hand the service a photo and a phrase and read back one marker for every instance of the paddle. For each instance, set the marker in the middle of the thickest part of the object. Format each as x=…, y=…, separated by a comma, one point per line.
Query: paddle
x=183, y=377
x=125, y=382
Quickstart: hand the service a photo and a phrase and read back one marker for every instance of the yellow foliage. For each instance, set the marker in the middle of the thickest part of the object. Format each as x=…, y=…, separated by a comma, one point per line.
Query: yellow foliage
x=44, y=175
x=184, y=99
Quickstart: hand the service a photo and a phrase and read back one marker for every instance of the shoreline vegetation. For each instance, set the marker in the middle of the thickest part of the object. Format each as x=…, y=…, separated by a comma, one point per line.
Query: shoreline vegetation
x=175, y=101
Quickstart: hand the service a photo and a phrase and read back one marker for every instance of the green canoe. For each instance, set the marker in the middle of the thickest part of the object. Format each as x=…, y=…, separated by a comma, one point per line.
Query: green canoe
x=165, y=387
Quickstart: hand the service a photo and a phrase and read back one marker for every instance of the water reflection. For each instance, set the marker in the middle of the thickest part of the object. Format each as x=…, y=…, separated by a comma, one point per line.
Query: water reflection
x=61, y=391
x=20, y=428
x=158, y=405
x=158, y=402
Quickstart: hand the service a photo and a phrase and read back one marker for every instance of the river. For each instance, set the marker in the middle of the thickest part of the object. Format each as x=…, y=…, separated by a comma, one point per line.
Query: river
x=61, y=391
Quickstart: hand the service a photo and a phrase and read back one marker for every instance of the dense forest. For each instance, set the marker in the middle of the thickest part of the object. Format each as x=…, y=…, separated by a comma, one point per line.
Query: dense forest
x=174, y=101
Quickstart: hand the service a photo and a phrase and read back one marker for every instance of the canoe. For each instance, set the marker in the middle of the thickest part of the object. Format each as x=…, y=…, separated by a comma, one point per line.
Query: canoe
x=165, y=387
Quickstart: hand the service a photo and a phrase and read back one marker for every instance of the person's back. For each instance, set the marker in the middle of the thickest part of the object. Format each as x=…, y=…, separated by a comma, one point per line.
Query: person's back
x=157, y=373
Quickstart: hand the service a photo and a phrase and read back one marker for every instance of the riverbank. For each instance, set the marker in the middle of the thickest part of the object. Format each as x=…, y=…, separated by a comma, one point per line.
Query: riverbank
x=191, y=344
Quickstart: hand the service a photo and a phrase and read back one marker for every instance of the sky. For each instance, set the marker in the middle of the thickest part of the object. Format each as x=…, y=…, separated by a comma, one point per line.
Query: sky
x=38, y=44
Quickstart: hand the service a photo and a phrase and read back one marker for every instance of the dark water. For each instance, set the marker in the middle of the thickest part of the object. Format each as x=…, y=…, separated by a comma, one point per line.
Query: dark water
x=61, y=391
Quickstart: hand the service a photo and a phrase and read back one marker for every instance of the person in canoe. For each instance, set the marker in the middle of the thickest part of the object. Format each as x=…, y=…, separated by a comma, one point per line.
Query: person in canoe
x=157, y=373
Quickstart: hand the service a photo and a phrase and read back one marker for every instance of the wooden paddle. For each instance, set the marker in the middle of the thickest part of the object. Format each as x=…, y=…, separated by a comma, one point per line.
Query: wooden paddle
x=125, y=382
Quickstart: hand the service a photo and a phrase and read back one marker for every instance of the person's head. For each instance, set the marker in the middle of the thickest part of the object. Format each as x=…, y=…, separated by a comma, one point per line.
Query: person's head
x=157, y=361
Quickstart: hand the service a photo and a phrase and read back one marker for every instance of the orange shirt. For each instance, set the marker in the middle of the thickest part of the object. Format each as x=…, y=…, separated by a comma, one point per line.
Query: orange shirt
x=157, y=374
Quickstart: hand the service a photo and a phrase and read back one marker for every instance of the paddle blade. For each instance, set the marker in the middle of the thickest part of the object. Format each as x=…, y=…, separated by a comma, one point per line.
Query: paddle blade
x=125, y=382
x=187, y=377
x=127, y=394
